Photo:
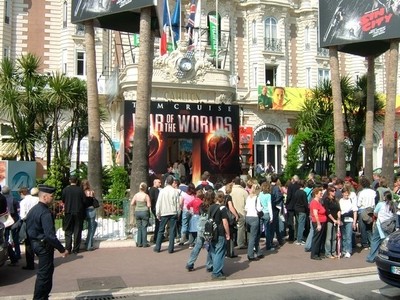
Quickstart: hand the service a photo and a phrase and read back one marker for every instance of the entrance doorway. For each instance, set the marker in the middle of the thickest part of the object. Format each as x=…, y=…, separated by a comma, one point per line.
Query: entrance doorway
x=268, y=148
x=186, y=151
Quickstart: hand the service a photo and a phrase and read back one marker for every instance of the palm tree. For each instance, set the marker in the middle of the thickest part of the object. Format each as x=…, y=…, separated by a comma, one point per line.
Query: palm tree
x=340, y=162
x=355, y=113
x=369, y=118
x=21, y=95
x=314, y=124
x=140, y=163
x=94, y=167
x=388, y=140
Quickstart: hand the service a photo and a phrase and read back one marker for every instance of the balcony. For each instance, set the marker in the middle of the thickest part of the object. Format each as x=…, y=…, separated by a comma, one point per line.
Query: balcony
x=273, y=45
x=323, y=52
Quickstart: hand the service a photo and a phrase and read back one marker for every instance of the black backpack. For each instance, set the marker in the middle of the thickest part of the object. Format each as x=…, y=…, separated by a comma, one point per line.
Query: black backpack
x=210, y=226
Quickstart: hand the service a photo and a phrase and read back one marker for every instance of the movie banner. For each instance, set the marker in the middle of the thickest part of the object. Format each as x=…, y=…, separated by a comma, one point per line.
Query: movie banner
x=212, y=128
x=354, y=21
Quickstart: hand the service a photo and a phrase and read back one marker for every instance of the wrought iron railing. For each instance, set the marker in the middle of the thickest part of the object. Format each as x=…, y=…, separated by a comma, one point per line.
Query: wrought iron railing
x=273, y=45
x=323, y=52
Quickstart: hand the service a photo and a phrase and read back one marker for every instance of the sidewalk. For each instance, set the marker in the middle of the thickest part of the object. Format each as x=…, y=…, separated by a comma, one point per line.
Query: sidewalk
x=119, y=266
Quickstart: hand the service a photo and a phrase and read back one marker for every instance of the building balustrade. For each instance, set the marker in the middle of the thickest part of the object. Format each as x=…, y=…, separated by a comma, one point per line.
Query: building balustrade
x=273, y=45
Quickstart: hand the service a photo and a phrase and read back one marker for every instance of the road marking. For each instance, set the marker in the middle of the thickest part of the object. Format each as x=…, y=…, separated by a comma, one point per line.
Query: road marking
x=341, y=297
x=357, y=279
x=388, y=291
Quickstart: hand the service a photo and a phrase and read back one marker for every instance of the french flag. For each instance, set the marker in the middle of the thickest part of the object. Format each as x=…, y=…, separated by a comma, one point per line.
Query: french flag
x=166, y=29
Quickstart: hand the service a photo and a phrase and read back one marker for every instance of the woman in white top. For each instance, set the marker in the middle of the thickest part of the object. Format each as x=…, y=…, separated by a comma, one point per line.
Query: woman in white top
x=348, y=208
x=384, y=211
x=252, y=207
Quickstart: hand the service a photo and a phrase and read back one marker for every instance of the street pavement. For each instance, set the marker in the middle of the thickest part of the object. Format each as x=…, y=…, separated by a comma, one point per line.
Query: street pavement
x=120, y=268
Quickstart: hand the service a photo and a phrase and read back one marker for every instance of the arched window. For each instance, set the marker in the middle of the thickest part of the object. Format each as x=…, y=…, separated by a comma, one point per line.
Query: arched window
x=271, y=34
x=254, y=31
x=307, y=38
x=65, y=14
x=270, y=28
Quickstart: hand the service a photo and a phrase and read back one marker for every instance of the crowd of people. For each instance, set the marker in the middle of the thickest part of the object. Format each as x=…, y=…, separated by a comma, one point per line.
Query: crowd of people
x=325, y=215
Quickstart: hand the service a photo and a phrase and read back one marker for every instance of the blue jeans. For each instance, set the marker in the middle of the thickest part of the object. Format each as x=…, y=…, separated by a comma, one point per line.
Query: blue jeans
x=301, y=223
x=92, y=226
x=171, y=220
x=366, y=232
x=254, y=236
x=185, y=224
x=347, y=237
x=217, y=254
x=330, y=239
x=375, y=243
x=195, y=253
x=307, y=246
x=266, y=222
x=142, y=222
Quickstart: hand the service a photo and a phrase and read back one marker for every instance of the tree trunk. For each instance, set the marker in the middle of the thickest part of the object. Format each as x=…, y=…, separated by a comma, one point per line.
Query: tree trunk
x=94, y=163
x=369, y=119
x=340, y=162
x=390, y=113
x=140, y=149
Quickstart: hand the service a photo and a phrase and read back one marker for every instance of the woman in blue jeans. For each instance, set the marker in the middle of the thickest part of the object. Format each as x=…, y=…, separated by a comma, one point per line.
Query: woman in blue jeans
x=142, y=204
x=90, y=214
x=252, y=207
x=266, y=220
x=348, y=208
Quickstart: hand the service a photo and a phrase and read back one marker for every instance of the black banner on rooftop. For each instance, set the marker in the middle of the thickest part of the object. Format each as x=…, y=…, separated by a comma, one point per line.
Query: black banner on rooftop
x=358, y=26
x=121, y=15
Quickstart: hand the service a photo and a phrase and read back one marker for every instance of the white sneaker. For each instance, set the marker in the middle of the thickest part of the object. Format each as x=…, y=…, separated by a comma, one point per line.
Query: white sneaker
x=347, y=255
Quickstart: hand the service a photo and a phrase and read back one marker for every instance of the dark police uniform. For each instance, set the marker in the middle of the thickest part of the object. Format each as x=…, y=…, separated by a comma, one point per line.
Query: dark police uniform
x=42, y=235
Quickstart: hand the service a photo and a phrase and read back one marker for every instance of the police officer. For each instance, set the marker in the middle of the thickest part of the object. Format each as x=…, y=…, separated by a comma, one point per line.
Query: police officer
x=42, y=235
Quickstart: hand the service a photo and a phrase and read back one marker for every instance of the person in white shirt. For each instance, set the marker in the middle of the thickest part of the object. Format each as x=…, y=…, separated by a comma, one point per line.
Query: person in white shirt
x=348, y=208
x=26, y=204
x=366, y=199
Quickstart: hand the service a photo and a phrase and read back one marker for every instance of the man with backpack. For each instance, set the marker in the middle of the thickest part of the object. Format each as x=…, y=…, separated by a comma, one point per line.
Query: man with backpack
x=217, y=212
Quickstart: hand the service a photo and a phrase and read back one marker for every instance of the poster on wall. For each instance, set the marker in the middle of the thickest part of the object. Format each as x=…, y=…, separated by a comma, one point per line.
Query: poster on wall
x=281, y=98
x=17, y=174
x=209, y=132
x=355, y=22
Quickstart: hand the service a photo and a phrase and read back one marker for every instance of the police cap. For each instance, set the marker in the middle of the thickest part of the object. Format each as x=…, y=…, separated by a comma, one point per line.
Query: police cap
x=46, y=188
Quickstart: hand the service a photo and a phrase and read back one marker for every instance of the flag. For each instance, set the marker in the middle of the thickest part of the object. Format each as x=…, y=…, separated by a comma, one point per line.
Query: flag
x=190, y=25
x=176, y=22
x=166, y=29
x=213, y=32
x=197, y=25
x=136, y=40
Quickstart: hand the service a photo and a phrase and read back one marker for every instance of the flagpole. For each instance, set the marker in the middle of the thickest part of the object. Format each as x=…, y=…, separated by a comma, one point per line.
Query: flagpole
x=217, y=33
x=171, y=33
x=199, y=28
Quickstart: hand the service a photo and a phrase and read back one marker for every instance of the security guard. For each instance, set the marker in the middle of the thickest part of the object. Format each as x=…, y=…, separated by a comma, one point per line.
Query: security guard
x=42, y=235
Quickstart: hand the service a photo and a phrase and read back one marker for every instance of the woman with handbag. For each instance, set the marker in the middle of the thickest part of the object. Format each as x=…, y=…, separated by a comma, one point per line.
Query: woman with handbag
x=142, y=203
x=266, y=220
x=91, y=203
x=253, y=210
x=233, y=217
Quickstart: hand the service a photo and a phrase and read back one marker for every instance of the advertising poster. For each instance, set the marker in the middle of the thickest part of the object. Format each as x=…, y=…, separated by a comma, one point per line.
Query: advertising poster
x=354, y=21
x=281, y=98
x=246, y=141
x=209, y=133
x=17, y=174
